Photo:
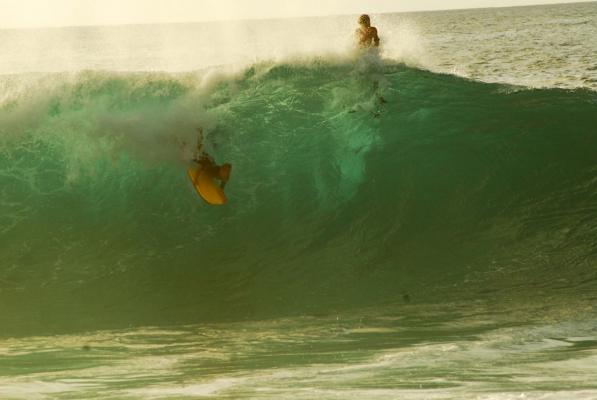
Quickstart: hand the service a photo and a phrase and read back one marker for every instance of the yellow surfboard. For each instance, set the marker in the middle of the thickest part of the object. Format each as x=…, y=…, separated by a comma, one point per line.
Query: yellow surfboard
x=207, y=187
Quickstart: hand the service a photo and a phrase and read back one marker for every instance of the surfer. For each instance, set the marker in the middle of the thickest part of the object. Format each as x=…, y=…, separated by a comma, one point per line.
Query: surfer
x=367, y=38
x=207, y=163
x=366, y=35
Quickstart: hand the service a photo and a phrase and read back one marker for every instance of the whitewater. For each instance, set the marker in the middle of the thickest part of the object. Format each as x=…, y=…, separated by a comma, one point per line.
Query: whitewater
x=419, y=222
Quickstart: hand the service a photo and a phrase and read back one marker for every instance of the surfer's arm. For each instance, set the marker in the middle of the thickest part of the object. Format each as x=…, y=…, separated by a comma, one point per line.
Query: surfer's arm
x=199, y=140
x=375, y=36
x=201, y=157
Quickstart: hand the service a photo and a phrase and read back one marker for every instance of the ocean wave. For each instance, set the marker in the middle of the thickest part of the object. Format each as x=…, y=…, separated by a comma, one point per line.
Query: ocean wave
x=355, y=182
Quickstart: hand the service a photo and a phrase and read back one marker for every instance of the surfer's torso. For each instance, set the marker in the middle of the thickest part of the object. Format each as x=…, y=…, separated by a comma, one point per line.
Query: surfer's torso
x=367, y=37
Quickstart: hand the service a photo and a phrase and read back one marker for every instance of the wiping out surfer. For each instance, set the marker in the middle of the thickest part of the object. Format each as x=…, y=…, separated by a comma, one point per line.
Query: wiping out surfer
x=207, y=164
x=205, y=175
x=366, y=35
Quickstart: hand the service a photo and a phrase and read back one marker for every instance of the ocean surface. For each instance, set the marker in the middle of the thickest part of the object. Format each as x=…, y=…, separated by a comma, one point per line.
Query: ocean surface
x=414, y=223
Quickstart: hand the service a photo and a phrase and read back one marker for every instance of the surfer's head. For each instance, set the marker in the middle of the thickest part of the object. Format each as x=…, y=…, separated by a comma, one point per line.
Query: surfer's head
x=365, y=20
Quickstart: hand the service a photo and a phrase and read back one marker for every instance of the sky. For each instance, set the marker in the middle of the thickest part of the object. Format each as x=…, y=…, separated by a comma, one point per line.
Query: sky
x=41, y=13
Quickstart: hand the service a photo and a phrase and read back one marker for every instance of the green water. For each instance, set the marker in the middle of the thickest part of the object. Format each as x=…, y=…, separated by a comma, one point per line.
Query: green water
x=338, y=199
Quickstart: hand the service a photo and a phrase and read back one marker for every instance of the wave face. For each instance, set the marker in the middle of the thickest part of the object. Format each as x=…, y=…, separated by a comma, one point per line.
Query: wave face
x=442, y=189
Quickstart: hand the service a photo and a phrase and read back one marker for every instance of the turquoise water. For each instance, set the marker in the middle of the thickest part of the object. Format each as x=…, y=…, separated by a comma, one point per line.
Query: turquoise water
x=392, y=231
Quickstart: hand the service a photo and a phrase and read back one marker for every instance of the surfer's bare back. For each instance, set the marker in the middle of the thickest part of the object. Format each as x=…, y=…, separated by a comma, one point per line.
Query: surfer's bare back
x=367, y=34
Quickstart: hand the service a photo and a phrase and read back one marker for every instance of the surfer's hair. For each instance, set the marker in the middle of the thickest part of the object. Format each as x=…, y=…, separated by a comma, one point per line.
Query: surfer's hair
x=364, y=20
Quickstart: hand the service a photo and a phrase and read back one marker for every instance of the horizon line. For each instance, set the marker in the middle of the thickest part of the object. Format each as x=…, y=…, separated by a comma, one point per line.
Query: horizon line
x=222, y=20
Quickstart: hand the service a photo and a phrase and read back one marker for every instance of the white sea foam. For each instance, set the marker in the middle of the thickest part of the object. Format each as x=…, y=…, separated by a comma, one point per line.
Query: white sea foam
x=307, y=358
